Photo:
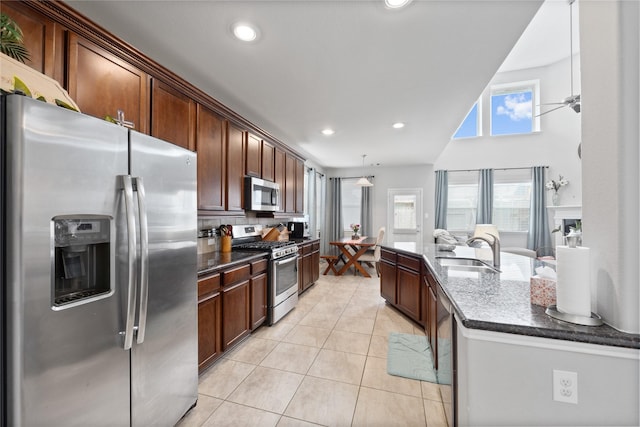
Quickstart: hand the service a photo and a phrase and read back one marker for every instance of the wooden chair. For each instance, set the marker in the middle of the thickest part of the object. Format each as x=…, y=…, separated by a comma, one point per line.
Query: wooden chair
x=332, y=260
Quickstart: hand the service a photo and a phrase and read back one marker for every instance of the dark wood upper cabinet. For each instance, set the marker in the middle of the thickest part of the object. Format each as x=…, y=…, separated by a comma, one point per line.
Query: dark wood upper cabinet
x=268, y=154
x=173, y=116
x=42, y=37
x=290, y=183
x=299, y=193
x=104, y=75
x=211, y=148
x=279, y=174
x=254, y=157
x=235, y=167
x=101, y=84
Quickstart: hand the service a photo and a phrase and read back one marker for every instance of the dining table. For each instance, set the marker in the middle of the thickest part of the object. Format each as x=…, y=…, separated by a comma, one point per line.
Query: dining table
x=352, y=249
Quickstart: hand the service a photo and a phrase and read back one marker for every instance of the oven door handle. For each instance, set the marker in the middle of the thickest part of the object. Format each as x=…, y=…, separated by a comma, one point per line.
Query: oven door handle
x=286, y=260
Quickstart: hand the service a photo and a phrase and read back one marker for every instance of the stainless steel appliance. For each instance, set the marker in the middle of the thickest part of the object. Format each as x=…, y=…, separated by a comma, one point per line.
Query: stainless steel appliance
x=283, y=269
x=299, y=227
x=261, y=195
x=98, y=270
x=446, y=356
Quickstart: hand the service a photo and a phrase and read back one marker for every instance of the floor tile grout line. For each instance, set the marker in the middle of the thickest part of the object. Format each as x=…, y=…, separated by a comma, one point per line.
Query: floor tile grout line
x=324, y=296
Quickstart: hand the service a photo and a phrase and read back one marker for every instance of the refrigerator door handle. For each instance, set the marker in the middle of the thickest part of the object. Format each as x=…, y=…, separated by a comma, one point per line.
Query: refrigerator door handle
x=144, y=260
x=127, y=187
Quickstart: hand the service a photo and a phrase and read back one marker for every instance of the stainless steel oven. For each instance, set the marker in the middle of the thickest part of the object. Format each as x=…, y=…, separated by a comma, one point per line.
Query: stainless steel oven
x=283, y=295
x=282, y=292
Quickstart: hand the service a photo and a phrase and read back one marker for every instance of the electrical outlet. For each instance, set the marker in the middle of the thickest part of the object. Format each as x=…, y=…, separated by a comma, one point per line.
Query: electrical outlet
x=565, y=386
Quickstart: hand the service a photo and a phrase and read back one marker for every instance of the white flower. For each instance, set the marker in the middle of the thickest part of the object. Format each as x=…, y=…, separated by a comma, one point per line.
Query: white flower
x=555, y=185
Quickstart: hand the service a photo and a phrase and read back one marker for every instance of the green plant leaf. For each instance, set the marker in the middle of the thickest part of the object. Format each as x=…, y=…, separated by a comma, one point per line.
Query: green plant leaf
x=11, y=40
x=61, y=103
x=15, y=51
x=19, y=85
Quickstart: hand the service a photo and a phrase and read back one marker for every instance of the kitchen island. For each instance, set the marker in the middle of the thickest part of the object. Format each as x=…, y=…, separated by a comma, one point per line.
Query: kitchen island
x=506, y=350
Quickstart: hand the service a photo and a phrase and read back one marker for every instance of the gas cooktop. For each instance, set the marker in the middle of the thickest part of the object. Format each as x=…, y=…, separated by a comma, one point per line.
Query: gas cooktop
x=247, y=237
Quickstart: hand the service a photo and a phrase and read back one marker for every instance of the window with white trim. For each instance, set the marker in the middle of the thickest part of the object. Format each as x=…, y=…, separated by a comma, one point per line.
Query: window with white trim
x=511, y=199
x=513, y=108
x=351, y=204
x=471, y=125
x=462, y=200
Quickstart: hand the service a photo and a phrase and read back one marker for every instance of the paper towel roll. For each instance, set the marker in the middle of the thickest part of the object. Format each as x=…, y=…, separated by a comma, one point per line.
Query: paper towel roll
x=573, y=289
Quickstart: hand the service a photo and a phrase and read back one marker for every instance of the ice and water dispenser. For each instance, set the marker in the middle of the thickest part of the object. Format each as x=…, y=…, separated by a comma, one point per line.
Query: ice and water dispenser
x=82, y=258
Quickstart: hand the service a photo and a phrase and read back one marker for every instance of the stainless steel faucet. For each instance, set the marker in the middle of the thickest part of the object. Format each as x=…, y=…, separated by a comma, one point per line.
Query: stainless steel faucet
x=495, y=247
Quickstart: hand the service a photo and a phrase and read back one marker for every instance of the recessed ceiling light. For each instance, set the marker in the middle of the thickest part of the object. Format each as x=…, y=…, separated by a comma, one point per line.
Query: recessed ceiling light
x=245, y=32
x=396, y=4
x=328, y=132
x=398, y=125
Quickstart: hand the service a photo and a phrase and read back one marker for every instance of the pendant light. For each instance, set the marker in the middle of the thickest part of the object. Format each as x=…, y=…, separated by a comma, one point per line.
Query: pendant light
x=364, y=182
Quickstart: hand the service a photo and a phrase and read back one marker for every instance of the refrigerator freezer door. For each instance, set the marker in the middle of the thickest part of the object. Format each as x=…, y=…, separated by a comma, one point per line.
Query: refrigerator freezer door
x=164, y=369
x=65, y=363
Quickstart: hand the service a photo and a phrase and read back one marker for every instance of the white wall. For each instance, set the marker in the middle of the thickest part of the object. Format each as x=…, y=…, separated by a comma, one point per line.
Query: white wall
x=507, y=379
x=420, y=176
x=611, y=51
x=556, y=145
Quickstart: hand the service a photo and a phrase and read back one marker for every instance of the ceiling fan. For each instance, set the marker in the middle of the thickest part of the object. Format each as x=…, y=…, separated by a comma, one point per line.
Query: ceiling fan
x=572, y=101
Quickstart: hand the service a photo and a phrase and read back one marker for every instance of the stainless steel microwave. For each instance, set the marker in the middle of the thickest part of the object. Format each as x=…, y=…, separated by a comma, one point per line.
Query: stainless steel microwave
x=261, y=195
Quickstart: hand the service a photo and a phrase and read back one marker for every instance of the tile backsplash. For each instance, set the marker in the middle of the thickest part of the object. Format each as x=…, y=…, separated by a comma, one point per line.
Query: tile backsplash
x=211, y=244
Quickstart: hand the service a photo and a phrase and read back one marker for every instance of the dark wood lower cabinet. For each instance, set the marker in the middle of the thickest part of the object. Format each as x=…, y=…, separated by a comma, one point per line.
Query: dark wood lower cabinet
x=407, y=284
x=231, y=303
x=308, y=264
x=388, y=281
x=209, y=320
x=258, y=300
x=408, y=292
x=432, y=323
x=209, y=336
x=235, y=313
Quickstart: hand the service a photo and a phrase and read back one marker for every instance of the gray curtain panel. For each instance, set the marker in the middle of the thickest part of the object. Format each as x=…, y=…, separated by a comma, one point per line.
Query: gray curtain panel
x=335, y=225
x=442, y=193
x=539, y=238
x=485, y=197
x=366, y=210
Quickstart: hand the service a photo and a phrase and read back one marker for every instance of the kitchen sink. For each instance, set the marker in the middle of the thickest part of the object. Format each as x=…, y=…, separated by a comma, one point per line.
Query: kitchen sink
x=470, y=264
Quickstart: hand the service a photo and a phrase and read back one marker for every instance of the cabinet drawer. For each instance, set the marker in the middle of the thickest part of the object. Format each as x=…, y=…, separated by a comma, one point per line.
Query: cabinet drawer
x=315, y=246
x=388, y=255
x=237, y=274
x=208, y=285
x=306, y=249
x=409, y=262
x=258, y=267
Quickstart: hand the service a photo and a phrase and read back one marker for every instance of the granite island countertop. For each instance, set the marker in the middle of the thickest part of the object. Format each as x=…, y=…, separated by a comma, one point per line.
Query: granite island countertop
x=500, y=302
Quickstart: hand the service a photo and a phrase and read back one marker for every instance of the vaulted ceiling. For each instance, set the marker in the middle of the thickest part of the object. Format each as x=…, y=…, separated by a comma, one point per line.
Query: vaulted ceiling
x=354, y=66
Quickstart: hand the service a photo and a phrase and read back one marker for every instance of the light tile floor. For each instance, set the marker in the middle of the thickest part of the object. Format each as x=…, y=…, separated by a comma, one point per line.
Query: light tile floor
x=323, y=364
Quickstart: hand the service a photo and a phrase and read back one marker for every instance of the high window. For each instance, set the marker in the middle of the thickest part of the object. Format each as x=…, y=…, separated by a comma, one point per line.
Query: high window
x=512, y=108
x=470, y=126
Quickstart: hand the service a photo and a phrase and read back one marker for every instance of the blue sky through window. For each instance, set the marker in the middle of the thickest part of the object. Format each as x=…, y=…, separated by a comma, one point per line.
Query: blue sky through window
x=469, y=127
x=511, y=113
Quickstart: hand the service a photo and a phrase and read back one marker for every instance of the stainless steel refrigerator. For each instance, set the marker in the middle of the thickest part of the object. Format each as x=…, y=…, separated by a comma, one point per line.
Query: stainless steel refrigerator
x=99, y=304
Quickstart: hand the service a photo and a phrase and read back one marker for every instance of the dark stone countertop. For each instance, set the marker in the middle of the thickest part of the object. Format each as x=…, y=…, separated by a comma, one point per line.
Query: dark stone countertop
x=211, y=261
x=500, y=302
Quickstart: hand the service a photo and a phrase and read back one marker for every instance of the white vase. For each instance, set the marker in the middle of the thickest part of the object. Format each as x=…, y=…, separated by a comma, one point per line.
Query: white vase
x=555, y=198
